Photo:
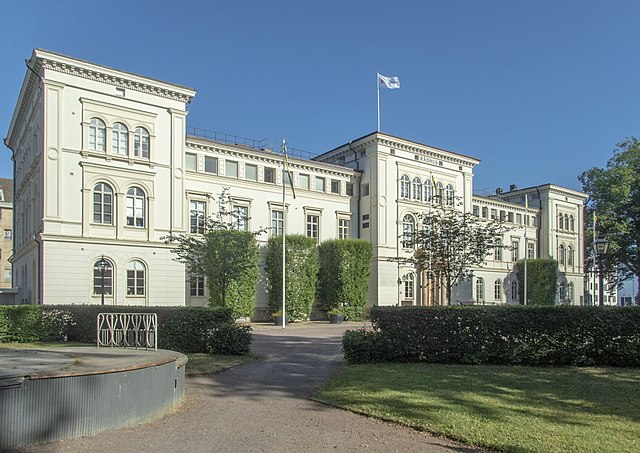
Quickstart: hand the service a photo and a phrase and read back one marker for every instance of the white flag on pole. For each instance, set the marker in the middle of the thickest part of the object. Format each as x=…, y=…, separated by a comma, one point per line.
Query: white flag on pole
x=390, y=82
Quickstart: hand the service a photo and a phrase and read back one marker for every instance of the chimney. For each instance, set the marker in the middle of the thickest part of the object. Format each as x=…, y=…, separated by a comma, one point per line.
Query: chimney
x=499, y=191
x=513, y=187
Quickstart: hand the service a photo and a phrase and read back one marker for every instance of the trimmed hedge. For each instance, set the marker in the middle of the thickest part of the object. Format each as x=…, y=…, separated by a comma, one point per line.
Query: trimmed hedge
x=561, y=335
x=183, y=329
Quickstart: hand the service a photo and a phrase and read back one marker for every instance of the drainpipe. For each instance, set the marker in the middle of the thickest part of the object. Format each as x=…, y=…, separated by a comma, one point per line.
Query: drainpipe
x=355, y=155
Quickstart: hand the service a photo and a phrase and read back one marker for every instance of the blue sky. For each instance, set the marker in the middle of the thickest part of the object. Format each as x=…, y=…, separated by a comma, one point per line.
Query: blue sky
x=538, y=91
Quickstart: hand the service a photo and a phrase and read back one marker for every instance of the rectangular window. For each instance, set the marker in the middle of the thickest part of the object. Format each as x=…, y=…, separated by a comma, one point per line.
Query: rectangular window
x=503, y=216
x=287, y=179
x=211, y=164
x=191, y=161
x=514, y=251
x=251, y=172
x=494, y=214
x=270, y=175
x=135, y=282
x=197, y=211
x=8, y=234
x=240, y=218
x=365, y=190
x=231, y=168
x=485, y=212
x=476, y=210
x=196, y=286
x=335, y=186
x=313, y=225
x=497, y=252
x=320, y=184
x=510, y=217
x=519, y=219
x=343, y=228
x=7, y=275
x=303, y=181
x=277, y=223
x=108, y=281
x=349, y=189
x=531, y=251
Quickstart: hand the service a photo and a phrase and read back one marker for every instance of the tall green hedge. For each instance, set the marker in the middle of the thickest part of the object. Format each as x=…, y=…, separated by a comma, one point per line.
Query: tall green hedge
x=183, y=329
x=559, y=335
x=343, y=279
x=542, y=281
x=301, y=261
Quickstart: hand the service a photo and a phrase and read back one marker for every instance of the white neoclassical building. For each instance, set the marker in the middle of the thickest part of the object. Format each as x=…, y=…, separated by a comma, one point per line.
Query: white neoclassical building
x=105, y=166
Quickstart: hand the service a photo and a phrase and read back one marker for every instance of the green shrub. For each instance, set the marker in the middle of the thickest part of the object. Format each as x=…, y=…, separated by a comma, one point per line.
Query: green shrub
x=542, y=281
x=562, y=335
x=361, y=346
x=301, y=274
x=229, y=339
x=343, y=279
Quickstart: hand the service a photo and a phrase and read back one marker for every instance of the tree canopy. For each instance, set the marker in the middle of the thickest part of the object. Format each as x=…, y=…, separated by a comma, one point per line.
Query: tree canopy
x=614, y=196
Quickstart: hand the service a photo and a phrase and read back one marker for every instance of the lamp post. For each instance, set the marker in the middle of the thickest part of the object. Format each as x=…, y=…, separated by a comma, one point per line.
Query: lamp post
x=600, y=247
x=102, y=267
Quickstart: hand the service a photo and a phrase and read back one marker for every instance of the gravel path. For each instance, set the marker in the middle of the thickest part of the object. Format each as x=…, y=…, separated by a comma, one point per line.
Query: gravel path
x=264, y=406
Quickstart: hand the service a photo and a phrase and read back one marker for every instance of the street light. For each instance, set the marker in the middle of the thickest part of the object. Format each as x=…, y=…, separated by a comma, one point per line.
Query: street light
x=600, y=247
x=102, y=265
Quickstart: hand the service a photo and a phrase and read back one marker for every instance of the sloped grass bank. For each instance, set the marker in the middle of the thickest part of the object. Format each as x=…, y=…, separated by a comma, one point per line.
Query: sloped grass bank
x=507, y=408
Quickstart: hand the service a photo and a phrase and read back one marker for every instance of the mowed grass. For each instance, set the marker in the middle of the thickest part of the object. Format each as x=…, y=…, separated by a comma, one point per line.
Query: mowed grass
x=506, y=408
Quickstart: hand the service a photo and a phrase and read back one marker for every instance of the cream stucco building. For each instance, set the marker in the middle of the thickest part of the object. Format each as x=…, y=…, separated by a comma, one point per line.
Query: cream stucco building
x=105, y=166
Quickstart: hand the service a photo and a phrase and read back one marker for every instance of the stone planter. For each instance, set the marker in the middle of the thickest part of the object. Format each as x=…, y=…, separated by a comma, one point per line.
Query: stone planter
x=336, y=319
x=277, y=320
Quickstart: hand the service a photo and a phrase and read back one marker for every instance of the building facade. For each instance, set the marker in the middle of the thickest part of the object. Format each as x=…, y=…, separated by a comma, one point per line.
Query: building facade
x=6, y=225
x=106, y=167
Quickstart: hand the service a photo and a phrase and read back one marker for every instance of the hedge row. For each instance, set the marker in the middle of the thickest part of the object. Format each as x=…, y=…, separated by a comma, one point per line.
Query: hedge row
x=562, y=335
x=183, y=329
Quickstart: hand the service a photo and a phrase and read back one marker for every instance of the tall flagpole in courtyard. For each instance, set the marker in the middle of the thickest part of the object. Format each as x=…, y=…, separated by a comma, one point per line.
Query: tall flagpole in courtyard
x=388, y=82
x=285, y=170
x=526, y=224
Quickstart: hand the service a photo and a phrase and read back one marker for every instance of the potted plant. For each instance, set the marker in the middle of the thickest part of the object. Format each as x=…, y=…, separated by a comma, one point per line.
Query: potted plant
x=336, y=316
x=278, y=319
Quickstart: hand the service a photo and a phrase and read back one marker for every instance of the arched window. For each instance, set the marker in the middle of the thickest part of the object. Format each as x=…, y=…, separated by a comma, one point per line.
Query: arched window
x=417, y=189
x=497, y=290
x=135, y=207
x=97, y=132
x=135, y=278
x=404, y=187
x=562, y=292
x=428, y=191
x=514, y=290
x=561, y=254
x=120, y=139
x=141, y=143
x=569, y=256
x=448, y=195
x=408, y=230
x=103, y=203
x=566, y=221
x=407, y=281
x=108, y=278
x=479, y=289
x=570, y=292
x=572, y=224
x=439, y=194
x=560, y=222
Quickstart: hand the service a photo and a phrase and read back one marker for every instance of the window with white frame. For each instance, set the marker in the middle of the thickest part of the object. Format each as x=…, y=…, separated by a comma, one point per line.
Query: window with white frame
x=197, y=216
x=479, y=289
x=365, y=190
x=514, y=290
x=103, y=203
x=303, y=181
x=240, y=217
x=572, y=225
x=349, y=189
x=251, y=172
x=570, y=292
x=566, y=221
x=497, y=250
x=428, y=191
x=519, y=219
x=277, y=222
x=515, y=256
x=562, y=292
x=494, y=214
x=408, y=230
x=485, y=212
x=417, y=189
x=497, y=290
x=119, y=139
x=136, y=276
x=476, y=210
x=196, y=286
x=320, y=184
x=335, y=186
x=8, y=234
x=569, y=256
x=97, y=132
x=560, y=222
x=439, y=193
x=210, y=164
x=135, y=207
x=98, y=282
x=404, y=187
x=191, y=161
x=408, y=286
x=313, y=226
x=531, y=251
x=343, y=228
x=270, y=175
x=141, y=143
x=449, y=195
x=561, y=254
x=231, y=168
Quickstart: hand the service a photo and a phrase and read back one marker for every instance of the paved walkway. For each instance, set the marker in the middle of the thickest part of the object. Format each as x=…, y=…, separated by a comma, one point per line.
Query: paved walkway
x=264, y=406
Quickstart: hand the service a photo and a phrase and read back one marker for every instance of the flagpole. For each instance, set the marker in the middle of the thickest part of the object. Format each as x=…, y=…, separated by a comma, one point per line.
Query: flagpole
x=284, y=305
x=378, y=87
x=526, y=224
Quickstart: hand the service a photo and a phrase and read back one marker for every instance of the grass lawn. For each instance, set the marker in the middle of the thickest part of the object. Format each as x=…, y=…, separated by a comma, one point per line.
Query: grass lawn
x=507, y=408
